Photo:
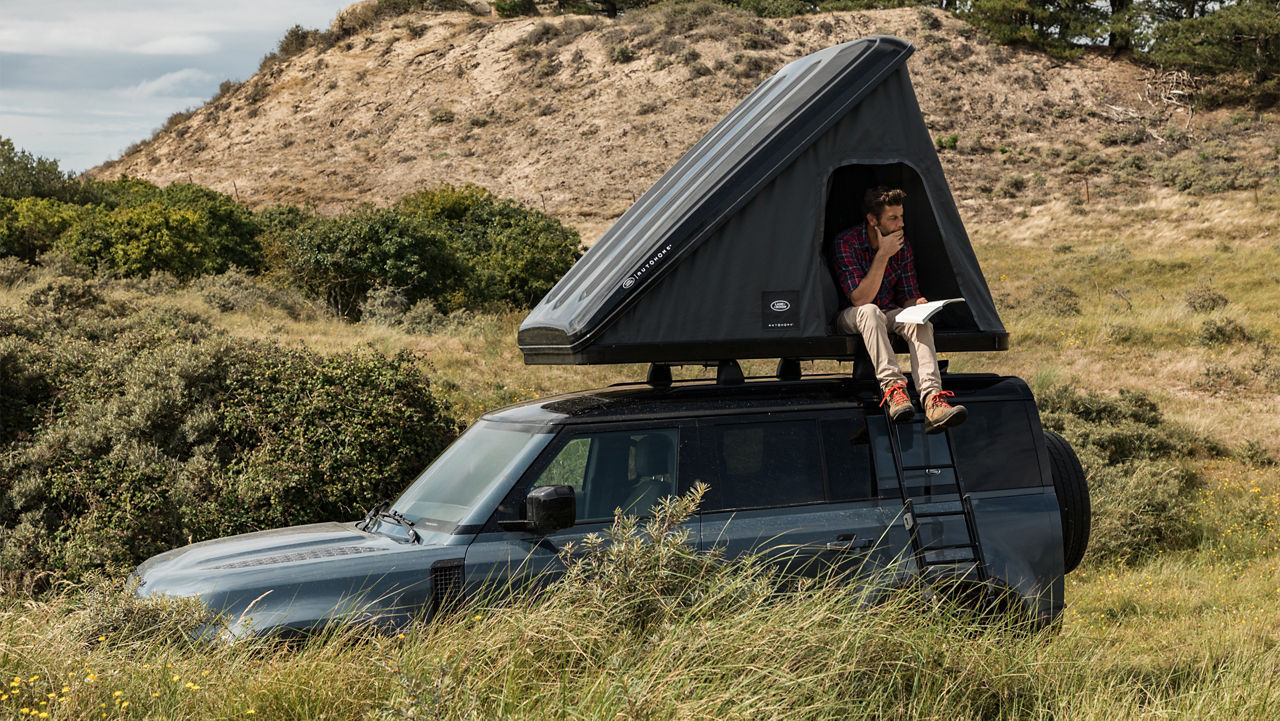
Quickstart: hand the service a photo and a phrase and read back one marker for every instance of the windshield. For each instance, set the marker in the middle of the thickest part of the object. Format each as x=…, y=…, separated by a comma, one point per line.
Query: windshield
x=486, y=455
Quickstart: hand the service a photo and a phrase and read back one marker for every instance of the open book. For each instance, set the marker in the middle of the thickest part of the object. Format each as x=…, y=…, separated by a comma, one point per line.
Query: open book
x=923, y=312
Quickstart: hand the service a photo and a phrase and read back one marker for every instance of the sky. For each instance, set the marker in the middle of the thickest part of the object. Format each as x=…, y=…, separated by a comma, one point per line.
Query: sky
x=81, y=80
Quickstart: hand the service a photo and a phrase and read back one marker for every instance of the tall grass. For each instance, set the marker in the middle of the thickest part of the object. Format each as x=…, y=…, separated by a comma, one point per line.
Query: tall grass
x=641, y=627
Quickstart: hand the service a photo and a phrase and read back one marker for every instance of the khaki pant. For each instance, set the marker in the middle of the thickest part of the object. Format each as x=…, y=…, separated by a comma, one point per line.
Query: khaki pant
x=874, y=326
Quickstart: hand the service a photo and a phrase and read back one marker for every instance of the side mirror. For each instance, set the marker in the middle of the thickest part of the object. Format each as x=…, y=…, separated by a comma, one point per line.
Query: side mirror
x=546, y=509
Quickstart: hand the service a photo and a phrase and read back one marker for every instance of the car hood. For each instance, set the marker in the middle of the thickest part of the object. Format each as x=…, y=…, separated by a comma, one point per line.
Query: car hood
x=299, y=577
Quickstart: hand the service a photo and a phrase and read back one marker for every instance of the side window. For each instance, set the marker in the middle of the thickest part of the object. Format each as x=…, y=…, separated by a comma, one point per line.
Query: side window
x=631, y=470
x=846, y=444
x=767, y=463
x=995, y=447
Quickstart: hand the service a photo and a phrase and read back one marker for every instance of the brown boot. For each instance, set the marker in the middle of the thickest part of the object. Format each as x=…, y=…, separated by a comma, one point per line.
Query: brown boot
x=900, y=408
x=941, y=415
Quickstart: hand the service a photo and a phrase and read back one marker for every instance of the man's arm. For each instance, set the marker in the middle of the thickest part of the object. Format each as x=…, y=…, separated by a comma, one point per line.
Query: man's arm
x=908, y=290
x=870, y=286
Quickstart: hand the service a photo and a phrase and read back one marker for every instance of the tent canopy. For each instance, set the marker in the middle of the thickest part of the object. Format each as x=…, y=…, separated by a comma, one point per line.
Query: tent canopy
x=726, y=256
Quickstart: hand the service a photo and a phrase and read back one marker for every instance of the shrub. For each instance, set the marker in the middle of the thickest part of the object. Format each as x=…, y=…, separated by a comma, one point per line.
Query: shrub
x=642, y=575
x=778, y=8
x=1222, y=331
x=1135, y=463
x=514, y=8
x=384, y=306
x=237, y=291
x=182, y=229
x=62, y=294
x=621, y=54
x=1132, y=134
x=162, y=431
x=23, y=175
x=1010, y=186
x=947, y=142
x=1212, y=169
x=1204, y=299
x=339, y=260
x=12, y=271
x=30, y=226
x=511, y=255
x=1056, y=299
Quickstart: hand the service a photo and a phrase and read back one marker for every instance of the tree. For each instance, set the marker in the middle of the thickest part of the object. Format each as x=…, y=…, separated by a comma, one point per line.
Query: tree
x=23, y=175
x=1244, y=37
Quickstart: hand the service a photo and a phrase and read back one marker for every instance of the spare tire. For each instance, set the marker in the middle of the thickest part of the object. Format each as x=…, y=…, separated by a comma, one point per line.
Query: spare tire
x=1073, y=498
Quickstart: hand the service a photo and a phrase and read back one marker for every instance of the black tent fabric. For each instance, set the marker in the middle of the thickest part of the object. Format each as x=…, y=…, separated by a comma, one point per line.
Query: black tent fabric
x=726, y=256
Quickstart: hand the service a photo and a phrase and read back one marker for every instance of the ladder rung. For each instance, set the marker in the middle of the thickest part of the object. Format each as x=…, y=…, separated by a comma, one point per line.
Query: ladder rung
x=923, y=509
x=938, y=514
x=931, y=549
x=945, y=559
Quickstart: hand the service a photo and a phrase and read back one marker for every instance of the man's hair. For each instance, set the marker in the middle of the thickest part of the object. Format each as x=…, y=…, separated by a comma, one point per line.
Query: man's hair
x=879, y=197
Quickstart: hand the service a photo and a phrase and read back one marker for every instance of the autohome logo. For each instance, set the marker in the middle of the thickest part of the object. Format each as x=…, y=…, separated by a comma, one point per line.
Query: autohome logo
x=635, y=277
x=781, y=306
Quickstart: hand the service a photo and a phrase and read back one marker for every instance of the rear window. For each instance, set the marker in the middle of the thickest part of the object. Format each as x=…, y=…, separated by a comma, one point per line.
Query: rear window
x=995, y=447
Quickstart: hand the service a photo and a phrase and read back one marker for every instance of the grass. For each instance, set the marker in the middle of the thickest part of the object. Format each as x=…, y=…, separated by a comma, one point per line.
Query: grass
x=1192, y=633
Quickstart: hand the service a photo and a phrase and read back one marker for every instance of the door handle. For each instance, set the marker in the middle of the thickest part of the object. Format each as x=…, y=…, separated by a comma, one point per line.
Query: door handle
x=847, y=546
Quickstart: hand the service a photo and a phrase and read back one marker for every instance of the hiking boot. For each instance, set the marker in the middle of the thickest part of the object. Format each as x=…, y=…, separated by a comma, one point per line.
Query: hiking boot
x=900, y=408
x=941, y=415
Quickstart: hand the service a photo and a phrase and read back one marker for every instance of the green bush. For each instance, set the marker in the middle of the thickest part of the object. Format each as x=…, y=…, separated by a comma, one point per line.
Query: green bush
x=339, y=260
x=511, y=255
x=1212, y=169
x=125, y=436
x=23, y=175
x=778, y=8
x=514, y=8
x=31, y=226
x=1135, y=463
x=182, y=229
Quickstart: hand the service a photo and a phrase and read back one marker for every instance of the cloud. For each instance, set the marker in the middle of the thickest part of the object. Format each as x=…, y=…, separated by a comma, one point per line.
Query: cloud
x=179, y=45
x=179, y=83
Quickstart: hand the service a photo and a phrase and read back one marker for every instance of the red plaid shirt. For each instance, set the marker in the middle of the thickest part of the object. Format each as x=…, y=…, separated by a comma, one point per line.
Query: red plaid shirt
x=853, y=255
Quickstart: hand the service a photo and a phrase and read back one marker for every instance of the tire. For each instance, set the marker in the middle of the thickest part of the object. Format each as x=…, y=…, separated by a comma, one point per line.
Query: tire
x=1073, y=498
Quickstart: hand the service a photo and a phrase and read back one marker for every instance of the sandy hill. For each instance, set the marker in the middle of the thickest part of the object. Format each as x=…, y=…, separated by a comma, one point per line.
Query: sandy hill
x=578, y=116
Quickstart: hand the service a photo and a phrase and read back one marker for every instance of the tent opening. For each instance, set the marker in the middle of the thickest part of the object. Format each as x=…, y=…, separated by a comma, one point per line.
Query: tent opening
x=845, y=188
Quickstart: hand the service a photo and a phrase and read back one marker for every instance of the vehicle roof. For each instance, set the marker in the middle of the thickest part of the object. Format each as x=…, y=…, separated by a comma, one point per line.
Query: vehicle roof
x=639, y=401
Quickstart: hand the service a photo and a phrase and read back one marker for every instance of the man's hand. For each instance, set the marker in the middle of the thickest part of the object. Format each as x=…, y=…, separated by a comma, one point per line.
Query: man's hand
x=920, y=301
x=889, y=244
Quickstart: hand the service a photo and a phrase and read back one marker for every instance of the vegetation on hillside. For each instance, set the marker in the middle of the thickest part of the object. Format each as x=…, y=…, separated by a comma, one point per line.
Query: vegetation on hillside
x=1224, y=41
x=452, y=247
x=129, y=425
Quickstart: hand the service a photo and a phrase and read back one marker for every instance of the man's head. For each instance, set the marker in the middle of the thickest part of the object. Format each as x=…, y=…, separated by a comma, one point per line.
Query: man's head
x=884, y=208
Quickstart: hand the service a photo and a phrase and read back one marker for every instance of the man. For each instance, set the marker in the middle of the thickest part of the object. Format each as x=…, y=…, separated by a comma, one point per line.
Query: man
x=877, y=273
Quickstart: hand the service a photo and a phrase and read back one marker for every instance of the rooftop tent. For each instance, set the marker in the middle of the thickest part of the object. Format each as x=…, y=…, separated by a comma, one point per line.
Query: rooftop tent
x=725, y=257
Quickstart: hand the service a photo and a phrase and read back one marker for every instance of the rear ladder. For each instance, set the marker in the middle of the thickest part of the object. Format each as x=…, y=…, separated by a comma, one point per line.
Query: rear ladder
x=964, y=560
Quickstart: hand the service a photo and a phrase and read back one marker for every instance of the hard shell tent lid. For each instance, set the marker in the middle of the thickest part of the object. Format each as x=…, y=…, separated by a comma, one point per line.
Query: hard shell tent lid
x=726, y=256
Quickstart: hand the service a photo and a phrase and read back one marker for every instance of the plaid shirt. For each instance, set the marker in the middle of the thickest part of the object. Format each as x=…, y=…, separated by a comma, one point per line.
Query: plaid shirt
x=853, y=257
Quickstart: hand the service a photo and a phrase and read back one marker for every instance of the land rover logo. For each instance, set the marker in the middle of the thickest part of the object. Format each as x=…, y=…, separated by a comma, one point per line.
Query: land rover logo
x=780, y=305
x=630, y=281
